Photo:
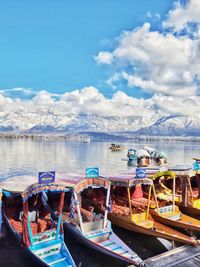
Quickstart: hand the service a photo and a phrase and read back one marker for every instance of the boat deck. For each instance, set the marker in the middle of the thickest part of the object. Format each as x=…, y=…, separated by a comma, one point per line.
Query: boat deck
x=184, y=256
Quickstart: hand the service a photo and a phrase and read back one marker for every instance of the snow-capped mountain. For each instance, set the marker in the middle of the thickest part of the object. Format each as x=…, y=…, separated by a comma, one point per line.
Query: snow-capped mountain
x=175, y=125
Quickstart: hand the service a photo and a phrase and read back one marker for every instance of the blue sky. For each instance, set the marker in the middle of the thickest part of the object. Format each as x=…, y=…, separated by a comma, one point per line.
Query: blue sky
x=121, y=58
x=51, y=45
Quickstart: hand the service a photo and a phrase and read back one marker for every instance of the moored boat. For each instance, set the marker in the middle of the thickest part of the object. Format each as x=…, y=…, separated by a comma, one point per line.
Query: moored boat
x=31, y=223
x=88, y=225
x=169, y=212
x=132, y=212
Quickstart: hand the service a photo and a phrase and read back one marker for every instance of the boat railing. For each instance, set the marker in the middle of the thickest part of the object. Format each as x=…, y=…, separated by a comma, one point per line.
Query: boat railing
x=48, y=235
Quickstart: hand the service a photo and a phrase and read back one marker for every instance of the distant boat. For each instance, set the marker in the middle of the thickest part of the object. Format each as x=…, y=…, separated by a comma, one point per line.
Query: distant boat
x=132, y=155
x=116, y=147
x=86, y=139
x=32, y=224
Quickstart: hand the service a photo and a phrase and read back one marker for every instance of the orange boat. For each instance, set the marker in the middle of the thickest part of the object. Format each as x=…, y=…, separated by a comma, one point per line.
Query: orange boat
x=133, y=213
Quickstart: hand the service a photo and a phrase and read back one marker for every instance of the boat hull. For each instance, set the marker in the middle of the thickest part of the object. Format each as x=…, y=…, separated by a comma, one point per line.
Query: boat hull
x=37, y=259
x=73, y=230
x=191, y=211
x=160, y=230
x=185, y=222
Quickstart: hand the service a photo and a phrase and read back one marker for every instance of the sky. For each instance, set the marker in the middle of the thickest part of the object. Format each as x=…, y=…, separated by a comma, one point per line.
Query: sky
x=107, y=57
x=51, y=45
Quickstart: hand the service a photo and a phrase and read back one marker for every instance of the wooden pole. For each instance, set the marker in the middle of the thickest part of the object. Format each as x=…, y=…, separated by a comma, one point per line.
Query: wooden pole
x=184, y=190
x=173, y=194
x=129, y=201
x=155, y=197
x=79, y=212
x=148, y=204
x=106, y=209
x=190, y=188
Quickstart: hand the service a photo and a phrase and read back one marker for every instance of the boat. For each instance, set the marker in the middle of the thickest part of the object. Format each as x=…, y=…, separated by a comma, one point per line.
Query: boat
x=31, y=223
x=88, y=225
x=133, y=214
x=116, y=147
x=168, y=213
x=86, y=139
x=187, y=186
x=132, y=156
x=143, y=158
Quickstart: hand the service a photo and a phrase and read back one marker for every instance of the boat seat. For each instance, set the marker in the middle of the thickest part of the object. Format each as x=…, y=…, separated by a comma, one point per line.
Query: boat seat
x=140, y=219
x=175, y=216
x=98, y=235
x=146, y=223
x=118, y=209
x=142, y=202
x=87, y=215
x=17, y=226
x=43, y=225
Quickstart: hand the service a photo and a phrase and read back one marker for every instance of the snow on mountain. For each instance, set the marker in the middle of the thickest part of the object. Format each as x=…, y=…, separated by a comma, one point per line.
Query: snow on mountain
x=87, y=110
x=128, y=126
x=173, y=126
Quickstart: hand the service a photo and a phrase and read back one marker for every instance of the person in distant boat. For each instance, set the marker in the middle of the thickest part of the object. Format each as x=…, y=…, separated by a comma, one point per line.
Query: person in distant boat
x=161, y=159
x=143, y=158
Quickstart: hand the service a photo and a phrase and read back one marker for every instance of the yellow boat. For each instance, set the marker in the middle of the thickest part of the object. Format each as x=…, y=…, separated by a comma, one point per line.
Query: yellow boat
x=128, y=214
x=168, y=213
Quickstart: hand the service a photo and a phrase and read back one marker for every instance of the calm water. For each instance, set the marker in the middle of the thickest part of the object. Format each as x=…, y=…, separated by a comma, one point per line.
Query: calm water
x=19, y=157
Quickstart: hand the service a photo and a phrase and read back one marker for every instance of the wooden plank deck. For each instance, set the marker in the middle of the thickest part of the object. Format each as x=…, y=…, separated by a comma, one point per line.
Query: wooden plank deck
x=184, y=256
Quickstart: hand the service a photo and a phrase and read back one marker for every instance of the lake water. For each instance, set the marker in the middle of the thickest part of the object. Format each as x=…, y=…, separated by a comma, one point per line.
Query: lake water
x=24, y=156
x=27, y=156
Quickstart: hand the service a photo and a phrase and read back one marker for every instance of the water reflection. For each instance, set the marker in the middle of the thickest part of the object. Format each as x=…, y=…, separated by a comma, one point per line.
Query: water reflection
x=24, y=156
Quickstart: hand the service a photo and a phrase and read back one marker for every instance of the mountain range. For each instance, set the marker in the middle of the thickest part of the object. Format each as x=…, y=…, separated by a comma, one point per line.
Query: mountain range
x=92, y=124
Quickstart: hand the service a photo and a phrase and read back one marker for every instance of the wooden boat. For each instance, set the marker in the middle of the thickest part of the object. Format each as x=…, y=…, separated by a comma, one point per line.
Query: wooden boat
x=169, y=213
x=93, y=229
x=127, y=212
x=187, y=187
x=31, y=223
x=116, y=147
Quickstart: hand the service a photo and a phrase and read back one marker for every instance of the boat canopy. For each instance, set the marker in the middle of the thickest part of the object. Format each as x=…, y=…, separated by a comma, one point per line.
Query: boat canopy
x=167, y=174
x=92, y=182
x=128, y=180
x=38, y=188
x=142, y=153
x=28, y=185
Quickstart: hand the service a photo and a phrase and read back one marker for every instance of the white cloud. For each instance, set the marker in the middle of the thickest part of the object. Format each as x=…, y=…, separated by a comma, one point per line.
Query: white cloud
x=156, y=62
x=44, y=108
x=181, y=15
x=104, y=57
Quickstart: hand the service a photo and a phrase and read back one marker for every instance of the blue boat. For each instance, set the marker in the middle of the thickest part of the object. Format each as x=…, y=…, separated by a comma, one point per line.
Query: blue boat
x=132, y=155
x=87, y=225
x=31, y=223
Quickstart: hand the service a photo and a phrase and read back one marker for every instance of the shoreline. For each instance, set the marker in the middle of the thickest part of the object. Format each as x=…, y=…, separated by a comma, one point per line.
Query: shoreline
x=86, y=137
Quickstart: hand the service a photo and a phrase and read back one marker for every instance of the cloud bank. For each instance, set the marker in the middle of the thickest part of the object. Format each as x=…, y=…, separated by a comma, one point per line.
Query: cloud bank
x=165, y=61
x=45, y=108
